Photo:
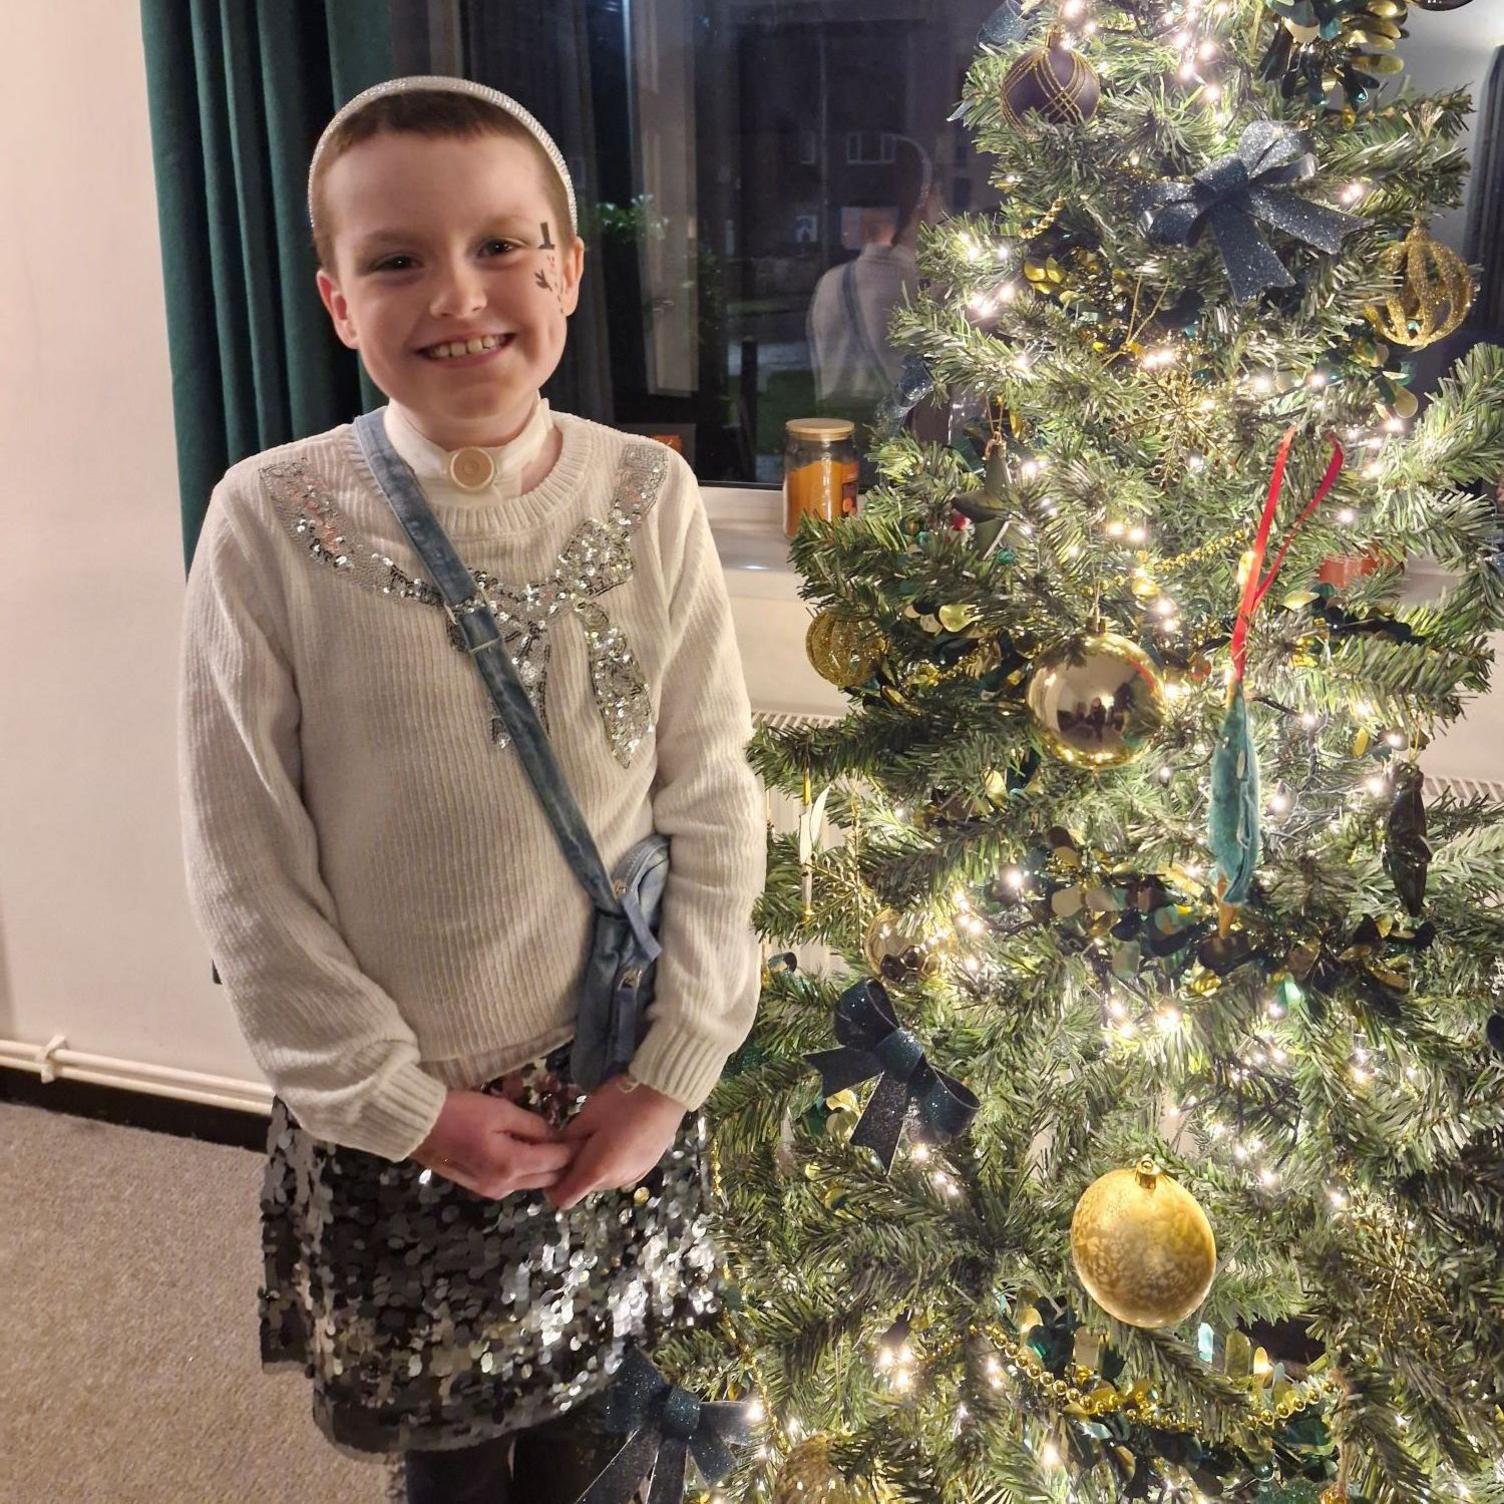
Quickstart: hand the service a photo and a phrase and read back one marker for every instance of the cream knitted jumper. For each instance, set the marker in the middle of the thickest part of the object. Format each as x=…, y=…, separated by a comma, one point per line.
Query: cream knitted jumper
x=381, y=892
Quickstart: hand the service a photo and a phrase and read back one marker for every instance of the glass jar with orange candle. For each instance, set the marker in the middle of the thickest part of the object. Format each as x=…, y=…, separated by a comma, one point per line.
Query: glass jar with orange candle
x=820, y=469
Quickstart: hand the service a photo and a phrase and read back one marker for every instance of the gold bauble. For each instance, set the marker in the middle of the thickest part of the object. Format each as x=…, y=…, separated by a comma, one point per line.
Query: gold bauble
x=1097, y=700
x=897, y=947
x=1142, y=1246
x=807, y=1477
x=842, y=649
x=1435, y=293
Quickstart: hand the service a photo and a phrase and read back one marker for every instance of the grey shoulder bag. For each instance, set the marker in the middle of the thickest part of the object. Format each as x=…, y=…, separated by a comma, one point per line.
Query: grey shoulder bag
x=624, y=949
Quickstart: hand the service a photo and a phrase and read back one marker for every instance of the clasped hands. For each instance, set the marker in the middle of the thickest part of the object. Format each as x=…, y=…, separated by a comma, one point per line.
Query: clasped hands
x=493, y=1147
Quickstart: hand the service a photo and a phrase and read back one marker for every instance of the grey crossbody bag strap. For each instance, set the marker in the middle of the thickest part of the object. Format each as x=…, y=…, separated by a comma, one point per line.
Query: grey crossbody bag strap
x=472, y=615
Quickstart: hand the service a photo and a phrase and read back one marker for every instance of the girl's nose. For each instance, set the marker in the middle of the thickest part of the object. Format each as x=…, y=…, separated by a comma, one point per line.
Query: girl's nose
x=459, y=291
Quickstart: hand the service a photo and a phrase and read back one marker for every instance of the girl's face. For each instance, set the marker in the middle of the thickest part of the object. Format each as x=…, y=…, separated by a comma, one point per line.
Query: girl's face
x=446, y=239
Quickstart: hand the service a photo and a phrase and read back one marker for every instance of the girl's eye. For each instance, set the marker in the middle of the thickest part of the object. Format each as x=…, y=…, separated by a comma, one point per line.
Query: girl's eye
x=390, y=264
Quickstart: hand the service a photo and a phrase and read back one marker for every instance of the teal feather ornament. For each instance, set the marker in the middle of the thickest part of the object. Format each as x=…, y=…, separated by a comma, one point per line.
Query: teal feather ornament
x=1233, y=823
x=1233, y=827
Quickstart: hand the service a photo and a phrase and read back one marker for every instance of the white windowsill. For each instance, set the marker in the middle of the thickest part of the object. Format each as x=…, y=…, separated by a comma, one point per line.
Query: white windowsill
x=748, y=529
x=771, y=620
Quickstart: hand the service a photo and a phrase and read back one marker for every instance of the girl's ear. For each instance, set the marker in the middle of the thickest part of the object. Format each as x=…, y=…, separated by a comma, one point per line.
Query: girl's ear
x=339, y=310
x=572, y=268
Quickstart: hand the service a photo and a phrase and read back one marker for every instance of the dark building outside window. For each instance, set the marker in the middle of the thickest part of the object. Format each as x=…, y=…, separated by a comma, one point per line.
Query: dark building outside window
x=751, y=177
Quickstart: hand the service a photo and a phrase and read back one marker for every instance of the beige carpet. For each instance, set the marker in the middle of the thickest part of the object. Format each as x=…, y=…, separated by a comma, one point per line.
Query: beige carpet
x=129, y=1366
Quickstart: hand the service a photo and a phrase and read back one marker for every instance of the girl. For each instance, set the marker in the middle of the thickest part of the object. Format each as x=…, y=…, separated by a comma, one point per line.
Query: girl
x=459, y=1246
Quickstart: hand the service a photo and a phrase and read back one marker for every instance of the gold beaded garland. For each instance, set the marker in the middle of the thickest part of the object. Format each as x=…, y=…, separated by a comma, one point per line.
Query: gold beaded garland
x=1434, y=296
x=1143, y=1247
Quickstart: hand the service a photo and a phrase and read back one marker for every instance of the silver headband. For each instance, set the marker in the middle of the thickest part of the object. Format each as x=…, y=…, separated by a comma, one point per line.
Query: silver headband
x=453, y=86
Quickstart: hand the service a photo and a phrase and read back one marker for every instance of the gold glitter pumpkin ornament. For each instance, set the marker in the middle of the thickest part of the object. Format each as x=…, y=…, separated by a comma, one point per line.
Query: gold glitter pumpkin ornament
x=842, y=649
x=1435, y=293
x=1142, y=1246
x=1097, y=701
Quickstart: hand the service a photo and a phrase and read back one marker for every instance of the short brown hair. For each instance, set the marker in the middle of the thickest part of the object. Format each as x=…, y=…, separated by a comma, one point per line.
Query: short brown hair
x=435, y=113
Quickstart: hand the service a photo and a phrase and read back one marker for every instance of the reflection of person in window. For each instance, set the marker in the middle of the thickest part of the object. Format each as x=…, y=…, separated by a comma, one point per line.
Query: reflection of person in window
x=854, y=365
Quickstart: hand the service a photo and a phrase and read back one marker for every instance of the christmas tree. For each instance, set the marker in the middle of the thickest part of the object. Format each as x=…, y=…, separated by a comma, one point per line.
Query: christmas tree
x=1145, y=1139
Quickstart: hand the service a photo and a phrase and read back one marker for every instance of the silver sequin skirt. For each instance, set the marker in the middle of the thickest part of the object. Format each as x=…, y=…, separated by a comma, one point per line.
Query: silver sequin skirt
x=431, y=1317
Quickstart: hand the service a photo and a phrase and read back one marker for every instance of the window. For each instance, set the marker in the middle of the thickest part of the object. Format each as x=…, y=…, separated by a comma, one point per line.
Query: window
x=751, y=175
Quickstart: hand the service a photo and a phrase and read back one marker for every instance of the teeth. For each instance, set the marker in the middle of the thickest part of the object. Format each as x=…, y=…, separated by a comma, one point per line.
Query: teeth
x=464, y=347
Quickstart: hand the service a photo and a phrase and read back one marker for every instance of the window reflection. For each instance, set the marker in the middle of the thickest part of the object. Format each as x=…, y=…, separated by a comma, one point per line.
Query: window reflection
x=753, y=175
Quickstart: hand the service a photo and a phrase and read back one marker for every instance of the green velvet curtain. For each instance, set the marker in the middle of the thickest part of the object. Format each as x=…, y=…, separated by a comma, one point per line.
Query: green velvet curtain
x=238, y=91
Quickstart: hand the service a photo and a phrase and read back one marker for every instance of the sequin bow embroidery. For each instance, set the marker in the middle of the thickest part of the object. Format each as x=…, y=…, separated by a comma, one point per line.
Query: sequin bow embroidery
x=597, y=558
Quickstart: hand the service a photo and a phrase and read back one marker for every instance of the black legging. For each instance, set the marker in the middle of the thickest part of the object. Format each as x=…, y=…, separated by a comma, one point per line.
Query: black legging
x=553, y=1463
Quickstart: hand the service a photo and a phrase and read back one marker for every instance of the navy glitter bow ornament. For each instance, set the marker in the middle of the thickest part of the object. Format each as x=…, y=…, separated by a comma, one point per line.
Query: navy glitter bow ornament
x=875, y=1044
x=1233, y=192
x=665, y=1426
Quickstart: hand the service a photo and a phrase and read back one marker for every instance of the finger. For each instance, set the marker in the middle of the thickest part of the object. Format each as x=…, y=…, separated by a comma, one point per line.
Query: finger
x=528, y=1159
x=520, y=1123
x=571, y=1192
x=597, y=1167
x=577, y=1128
x=499, y=1187
x=584, y=1176
x=536, y=1180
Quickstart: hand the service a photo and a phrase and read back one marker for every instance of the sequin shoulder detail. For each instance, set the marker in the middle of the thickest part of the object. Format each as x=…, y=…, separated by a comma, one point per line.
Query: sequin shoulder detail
x=596, y=559
x=315, y=520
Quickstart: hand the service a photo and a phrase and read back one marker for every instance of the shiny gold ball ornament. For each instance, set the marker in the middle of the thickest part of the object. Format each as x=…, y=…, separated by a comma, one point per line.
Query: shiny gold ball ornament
x=898, y=948
x=843, y=650
x=807, y=1477
x=1436, y=291
x=1096, y=700
x=1049, y=83
x=1142, y=1246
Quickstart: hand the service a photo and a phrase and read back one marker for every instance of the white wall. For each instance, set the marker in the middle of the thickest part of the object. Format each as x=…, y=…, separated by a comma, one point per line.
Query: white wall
x=96, y=942
x=1453, y=50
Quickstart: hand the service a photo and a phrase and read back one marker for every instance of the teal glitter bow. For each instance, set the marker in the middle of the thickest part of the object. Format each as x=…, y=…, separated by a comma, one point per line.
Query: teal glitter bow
x=874, y=1044
x=665, y=1427
x=1232, y=192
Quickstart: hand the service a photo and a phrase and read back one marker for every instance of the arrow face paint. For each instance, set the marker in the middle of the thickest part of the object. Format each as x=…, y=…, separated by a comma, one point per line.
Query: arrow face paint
x=546, y=244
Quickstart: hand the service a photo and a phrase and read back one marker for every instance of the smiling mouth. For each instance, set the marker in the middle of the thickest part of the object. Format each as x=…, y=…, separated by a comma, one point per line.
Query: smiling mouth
x=454, y=349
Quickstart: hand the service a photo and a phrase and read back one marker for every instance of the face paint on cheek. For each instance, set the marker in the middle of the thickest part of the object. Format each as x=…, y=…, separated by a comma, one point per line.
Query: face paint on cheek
x=550, y=280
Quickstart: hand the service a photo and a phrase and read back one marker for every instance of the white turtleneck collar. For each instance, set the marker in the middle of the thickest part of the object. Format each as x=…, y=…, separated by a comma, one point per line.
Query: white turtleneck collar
x=430, y=461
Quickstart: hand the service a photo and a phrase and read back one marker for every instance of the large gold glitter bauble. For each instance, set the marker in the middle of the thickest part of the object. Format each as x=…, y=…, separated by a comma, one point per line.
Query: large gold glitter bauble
x=842, y=649
x=807, y=1477
x=1142, y=1246
x=1097, y=700
x=1435, y=293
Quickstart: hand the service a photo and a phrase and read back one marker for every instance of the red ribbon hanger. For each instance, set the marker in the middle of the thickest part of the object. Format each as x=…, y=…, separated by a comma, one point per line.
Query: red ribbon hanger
x=1254, y=587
